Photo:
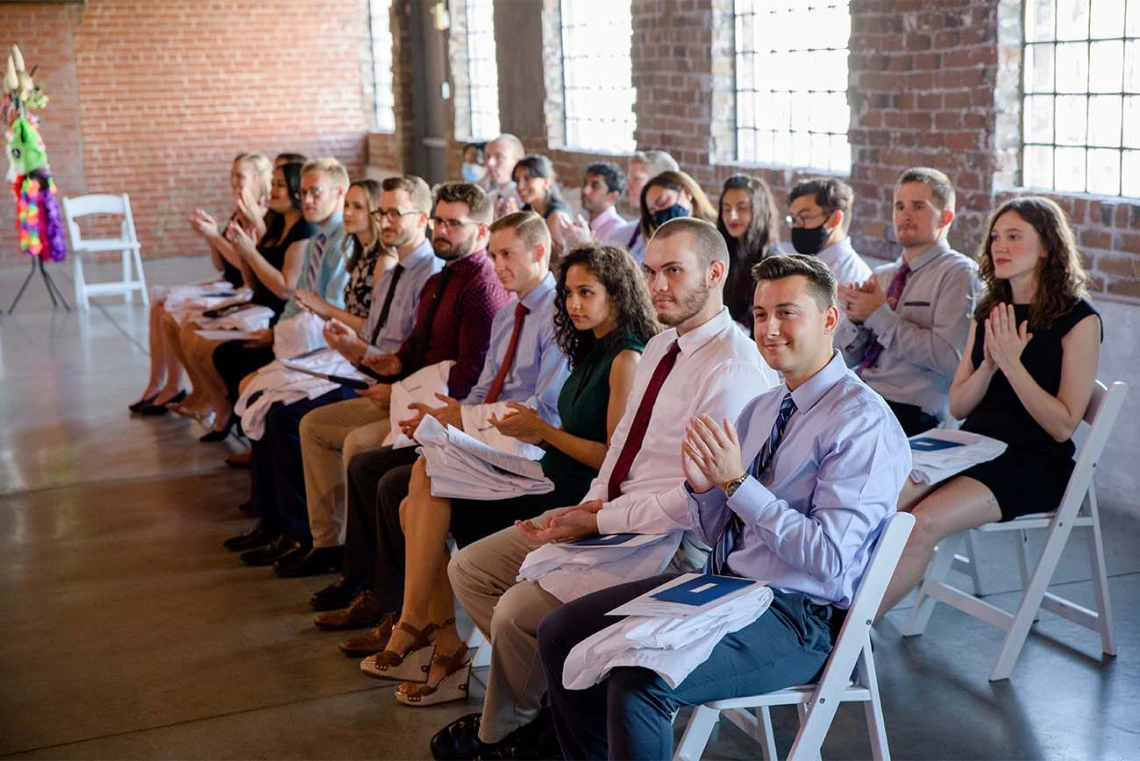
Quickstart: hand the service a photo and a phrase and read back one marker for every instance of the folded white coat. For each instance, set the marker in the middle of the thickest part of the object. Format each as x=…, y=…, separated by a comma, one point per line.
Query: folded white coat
x=299, y=334
x=277, y=383
x=672, y=647
x=421, y=386
x=570, y=571
x=477, y=424
x=462, y=466
x=941, y=453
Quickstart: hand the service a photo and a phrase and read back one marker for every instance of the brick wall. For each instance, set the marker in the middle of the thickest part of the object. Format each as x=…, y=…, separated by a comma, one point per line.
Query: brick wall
x=155, y=98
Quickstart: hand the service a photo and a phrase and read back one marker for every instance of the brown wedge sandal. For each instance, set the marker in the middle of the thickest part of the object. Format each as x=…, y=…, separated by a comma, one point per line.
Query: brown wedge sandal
x=453, y=685
x=409, y=666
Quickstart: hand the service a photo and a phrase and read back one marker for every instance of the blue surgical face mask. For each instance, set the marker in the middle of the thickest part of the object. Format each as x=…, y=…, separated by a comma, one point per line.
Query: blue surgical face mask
x=661, y=216
x=472, y=172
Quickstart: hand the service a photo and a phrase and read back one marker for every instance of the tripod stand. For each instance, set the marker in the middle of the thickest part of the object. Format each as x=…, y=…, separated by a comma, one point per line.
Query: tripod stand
x=52, y=289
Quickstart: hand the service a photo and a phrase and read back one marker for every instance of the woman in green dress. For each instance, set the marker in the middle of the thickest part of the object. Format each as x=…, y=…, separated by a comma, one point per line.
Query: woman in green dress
x=603, y=319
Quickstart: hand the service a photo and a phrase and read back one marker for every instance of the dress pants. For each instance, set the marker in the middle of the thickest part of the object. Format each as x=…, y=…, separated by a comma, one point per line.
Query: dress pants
x=912, y=419
x=508, y=613
x=629, y=715
x=277, y=477
x=330, y=436
x=374, y=550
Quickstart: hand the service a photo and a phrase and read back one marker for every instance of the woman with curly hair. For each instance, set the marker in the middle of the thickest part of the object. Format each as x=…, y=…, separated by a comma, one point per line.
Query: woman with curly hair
x=603, y=319
x=1025, y=378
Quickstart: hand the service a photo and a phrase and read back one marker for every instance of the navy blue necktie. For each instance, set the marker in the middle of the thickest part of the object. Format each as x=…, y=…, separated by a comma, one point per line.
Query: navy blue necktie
x=718, y=559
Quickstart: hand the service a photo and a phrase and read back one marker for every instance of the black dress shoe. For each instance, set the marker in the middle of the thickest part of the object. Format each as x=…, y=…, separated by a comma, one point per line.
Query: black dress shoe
x=259, y=536
x=337, y=595
x=459, y=741
x=145, y=401
x=270, y=553
x=215, y=435
x=316, y=561
x=151, y=408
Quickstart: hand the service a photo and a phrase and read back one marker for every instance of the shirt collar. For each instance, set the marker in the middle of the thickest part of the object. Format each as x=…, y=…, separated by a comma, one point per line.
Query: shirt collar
x=698, y=337
x=609, y=216
x=841, y=245
x=539, y=293
x=331, y=224
x=814, y=388
x=927, y=256
x=473, y=261
x=421, y=255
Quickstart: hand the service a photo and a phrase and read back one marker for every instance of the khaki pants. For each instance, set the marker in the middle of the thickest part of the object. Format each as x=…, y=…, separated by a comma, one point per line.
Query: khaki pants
x=330, y=436
x=508, y=613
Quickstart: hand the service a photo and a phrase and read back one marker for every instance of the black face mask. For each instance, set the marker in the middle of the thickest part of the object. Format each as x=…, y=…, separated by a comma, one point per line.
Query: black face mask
x=810, y=240
x=661, y=216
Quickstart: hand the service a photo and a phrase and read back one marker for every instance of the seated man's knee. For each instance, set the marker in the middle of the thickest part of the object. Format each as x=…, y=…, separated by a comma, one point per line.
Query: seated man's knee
x=244, y=383
x=630, y=687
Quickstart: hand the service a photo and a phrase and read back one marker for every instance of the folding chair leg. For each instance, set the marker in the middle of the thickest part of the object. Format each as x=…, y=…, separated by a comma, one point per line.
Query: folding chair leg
x=141, y=278
x=813, y=729
x=697, y=733
x=873, y=708
x=126, y=277
x=768, y=741
x=1024, y=562
x=80, y=283
x=1030, y=601
x=972, y=570
x=1100, y=580
x=935, y=574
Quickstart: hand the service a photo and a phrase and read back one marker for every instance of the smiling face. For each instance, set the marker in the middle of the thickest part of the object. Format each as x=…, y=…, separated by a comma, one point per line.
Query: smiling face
x=356, y=213
x=587, y=301
x=793, y=332
x=1015, y=247
x=531, y=189
x=736, y=211
x=918, y=222
x=279, y=200
x=243, y=178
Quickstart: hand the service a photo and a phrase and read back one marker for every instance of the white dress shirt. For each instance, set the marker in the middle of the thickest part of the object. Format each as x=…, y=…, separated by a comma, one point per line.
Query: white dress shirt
x=845, y=263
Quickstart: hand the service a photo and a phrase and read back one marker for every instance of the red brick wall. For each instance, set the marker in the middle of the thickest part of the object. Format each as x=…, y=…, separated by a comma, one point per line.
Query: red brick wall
x=155, y=98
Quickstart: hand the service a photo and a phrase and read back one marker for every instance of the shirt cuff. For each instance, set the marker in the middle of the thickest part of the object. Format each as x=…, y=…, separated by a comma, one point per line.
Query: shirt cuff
x=612, y=520
x=751, y=501
x=882, y=321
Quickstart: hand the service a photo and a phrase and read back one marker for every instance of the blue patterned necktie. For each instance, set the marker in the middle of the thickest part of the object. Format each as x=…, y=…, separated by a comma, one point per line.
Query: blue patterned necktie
x=315, y=257
x=718, y=559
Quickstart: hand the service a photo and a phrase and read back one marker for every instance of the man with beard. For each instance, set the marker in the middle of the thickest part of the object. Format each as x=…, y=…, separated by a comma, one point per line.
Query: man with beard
x=453, y=322
x=701, y=365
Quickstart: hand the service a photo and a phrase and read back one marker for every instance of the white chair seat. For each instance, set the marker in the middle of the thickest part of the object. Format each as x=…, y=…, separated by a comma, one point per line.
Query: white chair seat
x=127, y=244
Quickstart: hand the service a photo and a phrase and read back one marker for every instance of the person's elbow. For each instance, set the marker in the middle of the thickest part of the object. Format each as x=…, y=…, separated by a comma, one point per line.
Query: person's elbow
x=1065, y=431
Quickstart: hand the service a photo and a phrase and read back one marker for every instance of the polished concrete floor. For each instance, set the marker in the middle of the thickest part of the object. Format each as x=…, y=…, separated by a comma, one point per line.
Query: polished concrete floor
x=127, y=632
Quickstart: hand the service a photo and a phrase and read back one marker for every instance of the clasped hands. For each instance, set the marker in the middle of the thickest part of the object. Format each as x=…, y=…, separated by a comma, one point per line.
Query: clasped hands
x=710, y=454
x=1004, y=339
x=565, y=524
x=859, y=300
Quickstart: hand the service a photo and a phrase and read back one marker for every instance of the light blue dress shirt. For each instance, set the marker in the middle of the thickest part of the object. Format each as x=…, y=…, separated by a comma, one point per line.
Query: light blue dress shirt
x=540, y=368
x=418, y=266
x=811, y=521
x=332, y=270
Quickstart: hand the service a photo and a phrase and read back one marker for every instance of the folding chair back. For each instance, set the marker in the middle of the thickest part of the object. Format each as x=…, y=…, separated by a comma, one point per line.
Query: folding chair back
x=1078, y=509
x=817, y=703
x=127, y=244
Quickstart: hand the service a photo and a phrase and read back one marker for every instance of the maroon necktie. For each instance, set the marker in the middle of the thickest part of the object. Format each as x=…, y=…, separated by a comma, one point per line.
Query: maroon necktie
x=509, y=358
x=640, y=424
x=894, y=293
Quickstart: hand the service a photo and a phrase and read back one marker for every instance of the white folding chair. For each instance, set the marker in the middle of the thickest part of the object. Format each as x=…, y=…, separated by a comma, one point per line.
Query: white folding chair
x=127, y=244
x=1078, y=508
x=818, y=702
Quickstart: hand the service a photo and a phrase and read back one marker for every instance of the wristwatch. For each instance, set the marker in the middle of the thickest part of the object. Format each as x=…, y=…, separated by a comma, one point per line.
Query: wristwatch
x=731, y=487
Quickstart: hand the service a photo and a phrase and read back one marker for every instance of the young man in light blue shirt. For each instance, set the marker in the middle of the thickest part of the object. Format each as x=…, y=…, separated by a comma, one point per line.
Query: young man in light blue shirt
x=795, y=494
x=324, y=183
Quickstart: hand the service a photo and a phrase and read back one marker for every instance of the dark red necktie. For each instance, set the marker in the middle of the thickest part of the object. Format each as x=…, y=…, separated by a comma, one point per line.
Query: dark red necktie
x=509, y=358
x=640, y=424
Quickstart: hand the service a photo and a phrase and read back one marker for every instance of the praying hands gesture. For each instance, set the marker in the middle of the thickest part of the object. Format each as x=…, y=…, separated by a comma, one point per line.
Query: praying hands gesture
x=565, y=524
x=523, y=424
x=860, y=301
x=715, y=452
x=1005, y=339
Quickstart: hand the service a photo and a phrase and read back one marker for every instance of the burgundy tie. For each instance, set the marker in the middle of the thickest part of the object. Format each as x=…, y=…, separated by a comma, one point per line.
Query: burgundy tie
x=640, y=424
x=894, y=293
x=509, y=358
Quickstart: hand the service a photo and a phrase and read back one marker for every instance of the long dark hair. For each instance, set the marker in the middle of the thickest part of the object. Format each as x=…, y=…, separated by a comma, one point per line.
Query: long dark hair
x=275, y=223
x=678, y=181
x=759, y=240
x=626, y=289
x=1061, y=278
x=537, y=165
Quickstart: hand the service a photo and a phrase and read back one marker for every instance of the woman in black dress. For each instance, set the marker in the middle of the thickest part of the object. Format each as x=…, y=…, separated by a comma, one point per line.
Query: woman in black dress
x=537, y=186
x=1025, y=378
x=748, y=223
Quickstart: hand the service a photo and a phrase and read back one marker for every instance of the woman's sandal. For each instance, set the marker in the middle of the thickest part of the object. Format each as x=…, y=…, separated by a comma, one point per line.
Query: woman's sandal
x=453, y=686
x=410, y=666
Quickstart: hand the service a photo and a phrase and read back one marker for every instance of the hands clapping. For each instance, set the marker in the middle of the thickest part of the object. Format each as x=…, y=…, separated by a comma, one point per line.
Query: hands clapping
x=1005, y=339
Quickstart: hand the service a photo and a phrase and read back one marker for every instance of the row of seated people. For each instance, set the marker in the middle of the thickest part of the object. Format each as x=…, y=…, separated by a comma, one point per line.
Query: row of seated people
x=703, y=445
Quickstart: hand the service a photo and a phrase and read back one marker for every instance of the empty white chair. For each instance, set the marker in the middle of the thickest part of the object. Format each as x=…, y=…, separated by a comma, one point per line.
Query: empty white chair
x=127, y=244
x=1078, y=508
x=818, y=702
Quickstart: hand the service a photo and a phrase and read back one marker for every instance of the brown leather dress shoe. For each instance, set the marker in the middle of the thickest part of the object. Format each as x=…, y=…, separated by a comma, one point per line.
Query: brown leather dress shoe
x=371, y=643
x=364, y=610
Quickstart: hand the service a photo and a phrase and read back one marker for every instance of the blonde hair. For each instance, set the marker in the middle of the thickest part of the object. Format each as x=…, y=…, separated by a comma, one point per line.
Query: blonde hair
x=330, y=167
x=263, y=168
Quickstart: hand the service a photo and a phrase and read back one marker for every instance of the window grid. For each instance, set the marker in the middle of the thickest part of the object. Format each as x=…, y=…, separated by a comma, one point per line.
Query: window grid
x=597, y=75
x=380, y=21
x=482, y=69
x=791, y=83
x=1081, y=96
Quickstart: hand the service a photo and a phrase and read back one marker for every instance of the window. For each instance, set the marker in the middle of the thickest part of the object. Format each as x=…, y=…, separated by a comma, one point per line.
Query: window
x=791, y=83
x=482, y=70
x=1081, y=108
x=380, y=20
x=597, y=75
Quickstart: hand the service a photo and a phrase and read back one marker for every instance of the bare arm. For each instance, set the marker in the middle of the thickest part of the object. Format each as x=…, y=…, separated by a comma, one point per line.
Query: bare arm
x=969, y=385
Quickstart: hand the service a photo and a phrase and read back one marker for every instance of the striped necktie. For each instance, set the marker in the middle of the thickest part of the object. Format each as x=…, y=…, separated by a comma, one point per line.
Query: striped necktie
x=315, y=257
x=894, y=293
x=718, y=559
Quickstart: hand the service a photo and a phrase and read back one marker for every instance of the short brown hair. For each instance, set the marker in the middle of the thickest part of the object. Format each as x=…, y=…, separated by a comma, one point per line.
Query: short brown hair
x=331, y=167
x=417, y=190
x=478, y=204
x=707, y=240
x=821, y=283
x=940, y=186
x=829, y=194
x=530, y=228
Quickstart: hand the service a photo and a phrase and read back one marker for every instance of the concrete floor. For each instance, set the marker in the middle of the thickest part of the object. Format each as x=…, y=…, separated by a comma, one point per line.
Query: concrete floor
x=129, y=633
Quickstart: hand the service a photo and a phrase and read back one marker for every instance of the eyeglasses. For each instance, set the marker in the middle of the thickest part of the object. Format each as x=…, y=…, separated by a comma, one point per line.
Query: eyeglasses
x=392, y=215
x=801, y=219
x=451, y=224
x=315, y=193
